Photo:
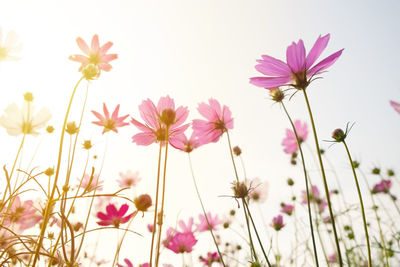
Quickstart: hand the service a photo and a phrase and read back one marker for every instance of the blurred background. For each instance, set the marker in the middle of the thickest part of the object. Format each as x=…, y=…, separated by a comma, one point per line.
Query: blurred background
x=193, y=51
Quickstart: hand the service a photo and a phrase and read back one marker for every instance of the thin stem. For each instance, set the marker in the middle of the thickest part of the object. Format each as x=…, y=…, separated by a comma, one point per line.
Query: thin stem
x=162, y=203
x=324, y=180
x=156, y=205
x=306, y=182
x=50, y=200
x=255, y=230
x=204, y=211
x=361, y=203
x=245, y=213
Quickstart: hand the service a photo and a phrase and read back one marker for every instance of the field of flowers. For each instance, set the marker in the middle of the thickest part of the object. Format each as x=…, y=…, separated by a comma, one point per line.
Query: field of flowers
x=57, y=207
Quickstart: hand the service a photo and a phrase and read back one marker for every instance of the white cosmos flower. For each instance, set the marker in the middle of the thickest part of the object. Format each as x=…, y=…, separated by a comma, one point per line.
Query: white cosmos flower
x=9, y=46
x=19, y=121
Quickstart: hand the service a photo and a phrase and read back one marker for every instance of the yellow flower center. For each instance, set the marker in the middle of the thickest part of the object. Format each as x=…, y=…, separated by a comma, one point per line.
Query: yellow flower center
x=109, y=125
x=3, y=53
x=168, y=116
x=94, y=58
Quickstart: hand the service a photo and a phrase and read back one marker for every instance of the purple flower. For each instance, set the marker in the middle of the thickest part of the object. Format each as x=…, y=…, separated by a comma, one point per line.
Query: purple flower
x=299, y=69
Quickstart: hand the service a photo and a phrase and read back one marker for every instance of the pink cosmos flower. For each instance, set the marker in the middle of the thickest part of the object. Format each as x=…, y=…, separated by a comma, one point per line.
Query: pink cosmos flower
x=203, y=226
x=259, y=190
x=382, y=187
x=128, y=263
x=95, y=55
x=277, y=223
x=315, y=197
x=218, y=120
x=182, y=242
x=287, y=209
x=129, y=179
x=110, y=123
x=113, y=216
x=22, y=215
x=170, y=234
x=395, y=105
x=158, y=120
x=181, y=142
x=290, y=142
x=90, y=184
x=150, y=227
x=333, y=258
x=299, y=69
x=210, y=259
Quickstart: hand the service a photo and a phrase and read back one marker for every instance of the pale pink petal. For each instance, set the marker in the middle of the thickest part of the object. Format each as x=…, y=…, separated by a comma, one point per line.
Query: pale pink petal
x=82, y=45
x=295, y=56
x=181, y=115
x=207, y=112
x=95, y=44
x=316, y=50
x=109, y=57
x=214, y=104
x=269, y=82
x=105, y=110
x=395, y=105
x=141, y=126
x=165, y=103
x=272, y=67
x=148, y=113
x=105, y=48
x=104, y=66
x=114, y=115
x=143, y=139
x=79, y=58
x=98, y=115
x=324, y=64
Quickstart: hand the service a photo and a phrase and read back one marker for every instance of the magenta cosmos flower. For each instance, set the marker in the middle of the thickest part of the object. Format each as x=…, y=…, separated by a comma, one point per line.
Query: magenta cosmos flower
x=218, y=120
x=299, y=69
x=181, y=142
x=162, y=123
x=210, y=258
x=395, y=105
x=382, y=187
x=96, y=54
x=290, y=142
x=110, y=123
x=114, y=216
x=182, y=242
x=277, y=223
x=287, y=209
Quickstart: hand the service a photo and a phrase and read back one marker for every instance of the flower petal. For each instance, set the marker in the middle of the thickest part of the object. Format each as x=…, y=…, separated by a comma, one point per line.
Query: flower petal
x=324, y=64
x=316, y=50
x=272, y=67
x=82, y=45
x=270, y=82
x=295, y=56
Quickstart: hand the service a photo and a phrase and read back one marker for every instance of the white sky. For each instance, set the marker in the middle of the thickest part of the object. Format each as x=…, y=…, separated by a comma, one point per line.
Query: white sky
x=194, y=50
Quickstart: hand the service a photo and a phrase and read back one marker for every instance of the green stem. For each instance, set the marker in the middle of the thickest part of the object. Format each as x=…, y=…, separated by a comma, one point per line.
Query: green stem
x=204, y=211
x=245, y=213
x=50, y=200
x=255, y=230
x=162, y=202
x=306, y=181
x=361, y=203
x=324, y=180
x=156, y=206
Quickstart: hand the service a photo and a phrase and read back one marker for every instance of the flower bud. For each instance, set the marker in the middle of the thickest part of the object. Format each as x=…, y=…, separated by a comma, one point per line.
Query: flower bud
x=277, y=95
x=50, y=129
x=376, y=171
x=338, y=135
x=237, y=151
x=142, y=202
x=290, y=182
x=390, y=172
x=87, y=144
x=49, y=172
x=355, y=164
x=71, y=128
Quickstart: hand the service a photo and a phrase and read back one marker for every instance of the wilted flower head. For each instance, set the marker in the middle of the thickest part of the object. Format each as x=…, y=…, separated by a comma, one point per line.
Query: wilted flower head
x=382, y=187
x=290, y=142
x=240, y=190
x=218, y=120
x=299, y=69
x=129, y=179
x=395, y=105
x=114, y=216
x=203, y=225
x=110, y=123
x=142, y=202
x=9, y=46
x=277, y=223
x=23, y=121
x=94, y=55
x=162, y=123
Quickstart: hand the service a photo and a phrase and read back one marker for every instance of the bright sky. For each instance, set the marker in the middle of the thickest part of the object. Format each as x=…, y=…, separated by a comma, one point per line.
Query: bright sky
x=195, y=50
